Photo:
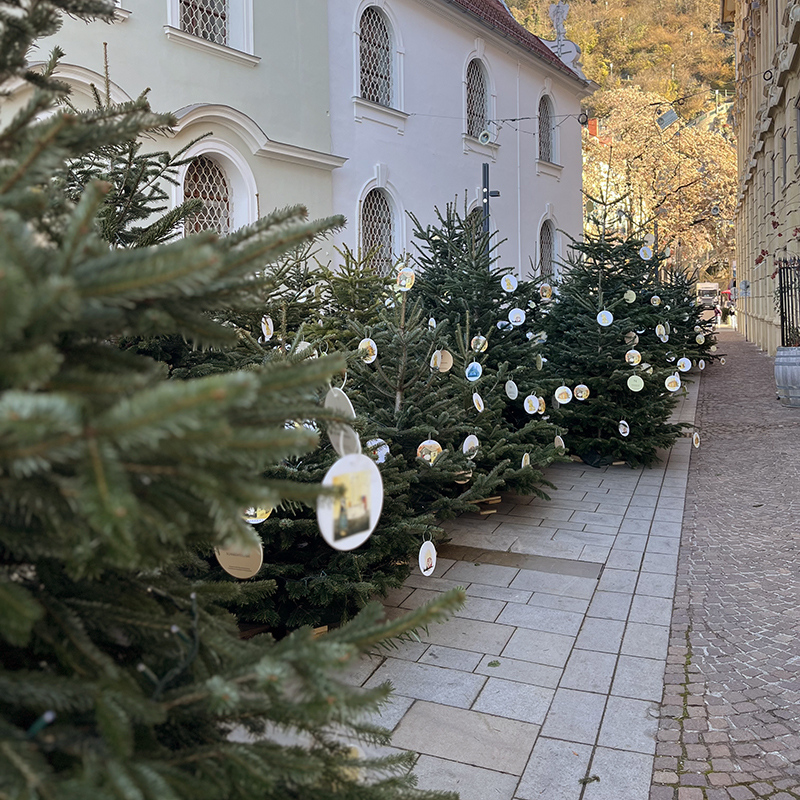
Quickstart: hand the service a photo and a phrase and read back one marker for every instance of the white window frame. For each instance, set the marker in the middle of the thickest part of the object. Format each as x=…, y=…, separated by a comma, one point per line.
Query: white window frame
x=398, y=212
x=469, y=143
x=548, y=218
x=239, y=46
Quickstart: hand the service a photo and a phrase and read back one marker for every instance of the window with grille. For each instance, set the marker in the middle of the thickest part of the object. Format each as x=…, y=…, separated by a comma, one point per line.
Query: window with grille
x=546, y=130
x=377, y=230
x=477, y=98
x=206, y=181
x=207, y=19
x=546, y=249
x=375, y=57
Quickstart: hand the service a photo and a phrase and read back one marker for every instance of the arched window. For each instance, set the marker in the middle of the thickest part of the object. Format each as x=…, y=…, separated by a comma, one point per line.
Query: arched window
x=207, y=19
x=206, y=180
x=477, y=98
x=546, y=131
x=546, y=249
x=377, y=230
x=375, y=57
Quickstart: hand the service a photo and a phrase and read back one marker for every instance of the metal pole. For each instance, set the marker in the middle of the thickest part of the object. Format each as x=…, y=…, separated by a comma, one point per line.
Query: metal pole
x=485, y=198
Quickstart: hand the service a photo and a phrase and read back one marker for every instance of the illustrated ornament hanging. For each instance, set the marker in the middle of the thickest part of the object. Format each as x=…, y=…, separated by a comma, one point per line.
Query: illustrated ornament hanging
x=563, y=394
x=629, y=296
x=241, y=561
x=713, y=348
x=479, y=344
x=542, y=405
x=429, y=451
x=649, y=239
x=255, y=516
x=427, y=558
x=559, y=443
x=531, y=404
x=432, y=324
x=405, y=279
x=344, y=440
x=526, y=460
x=581, y=391
x=700, y=338
x=509, y=283
x=545, y=291
x=660, y=330
x=672, y=382
x=504, y=325
x=378, y=449
x=512, y=391
x=631, y=339
x=671, y=357
x=539, y=361
x=624, y=428
x=470, y=446
x=633, y=357
x=346, y=520
x=605, y=318
x=701, y=364
x=698, y=329
x=722, y=361
x=635, y=383
x=368, y=350
x=441, y=360
x=655, y=300
x=684, y=364
x=477, y=401
x=267, y=328
x=516, y=317
x=664, y=338
x=696, y=439
x=473, y=371
x=645, y=253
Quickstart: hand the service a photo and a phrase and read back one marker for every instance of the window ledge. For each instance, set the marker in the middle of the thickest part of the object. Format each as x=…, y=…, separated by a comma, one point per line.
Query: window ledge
x=472, y=145
x=121, y=14
x=221, y=50
x=549, y=168
x=383, y=115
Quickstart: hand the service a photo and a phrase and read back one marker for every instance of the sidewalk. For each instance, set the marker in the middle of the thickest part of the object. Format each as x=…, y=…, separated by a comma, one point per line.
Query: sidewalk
x=547, y=684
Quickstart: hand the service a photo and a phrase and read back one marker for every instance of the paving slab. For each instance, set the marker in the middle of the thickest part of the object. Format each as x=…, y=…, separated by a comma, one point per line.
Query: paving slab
x=623, y=775
x=575, y=716
x=471, y=783
x=469, y=634
x=521, y=671
x=629, y=725
x=550, y=649
x=554, y=771
x=514, y=700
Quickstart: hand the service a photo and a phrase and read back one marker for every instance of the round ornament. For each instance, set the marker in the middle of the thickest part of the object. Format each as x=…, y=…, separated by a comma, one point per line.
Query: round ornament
x=649, y=239
x=531, y=404
x=655, y=300
x=463, y=477
x=255, y=516
x=713, y=348
x=635, y=383
x=696, y=439
x=512, y=390
x=539, y=361
x=427, y=558
x=479, y=344
x=473, y=371
x=378, y=449
x=684, y=364
x=303, y=346
x=509, y=283
x=563, y=394
x=667, y=251
x=343, y=438
x=664, y=338
x=722, y=361
x=633, y=357
x=529, y=335
x=605, y=318
x=504, y=325
x=559, y=443
x=446, y=361
x=241, y=561
x=432, y=324
x=347, y=520
x=368, y=350
x=660, y=330
x=405, y=279
x=581, y=391
x=673, y=382
x=477, y=401
x=436, y=360
x=624, y=428
x=645, y=253
x=629, y=296
x=701, y=364
x=542, y=405
x=640, y=332
x=631, y=339
x=516, y=317
x=429, y=450
x=671, y=357
x=267, y=328
x=470, y=446
x=698, y=329
x=700, y=338
x=545, y=291
x=526, y=460
x=667, y=328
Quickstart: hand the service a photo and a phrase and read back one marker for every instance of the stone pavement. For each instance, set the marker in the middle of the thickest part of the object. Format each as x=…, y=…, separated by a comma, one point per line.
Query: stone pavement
x=547, y=684
x=730, y=725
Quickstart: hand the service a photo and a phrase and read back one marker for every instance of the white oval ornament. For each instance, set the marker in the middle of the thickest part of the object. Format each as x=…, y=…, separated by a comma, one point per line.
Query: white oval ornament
x=645, y=253
x=542, y=405
x=529, y=335
x=684, y=365
x=624, y=428
x=664, y=338
x=242, y=562
x=429, y=450
x=545, y=291
x=698, y=329
x=427, y=558
x=531, y=404
x=563, y=394
x=512, y=390
x=700, y=338
x=436, y=360
x=655, y=300
x=673, y=383
x=649, y=239
x=368, y=350
x=516, y=316
x=722, y=361
x=605, y=318
x=509, y=283
x=303, y=346
x=713, y=348
x=473, y=371
x=432, y=324
x=701, y=364
x=526, y=460
x=504, y=325
x=581, y=391
x=671, y=357
x=446, y=361
x=347, y=520
x=378, y=449
x=255, y=516
x=479, y=344
x=667, y=251
x=629, y=296
x=660, y=330
x=267, y=328
x=696, y=439
x=336, y=400
x=405, y=279
x=559, y=443
x=477, y=401
x=635, y=383
x=470, y=446
x=389, y=302
x=343, y=438
x=633, y=357
x=631, y=339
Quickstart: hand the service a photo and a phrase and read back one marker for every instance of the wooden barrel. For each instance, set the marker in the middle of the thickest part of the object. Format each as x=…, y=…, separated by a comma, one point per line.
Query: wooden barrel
x=787, y=375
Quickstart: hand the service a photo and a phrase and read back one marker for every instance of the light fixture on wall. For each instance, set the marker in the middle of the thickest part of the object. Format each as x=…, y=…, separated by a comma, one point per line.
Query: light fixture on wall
x=484, y=137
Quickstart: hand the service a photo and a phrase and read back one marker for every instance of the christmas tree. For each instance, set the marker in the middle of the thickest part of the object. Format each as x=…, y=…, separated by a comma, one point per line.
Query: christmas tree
x=121, y=678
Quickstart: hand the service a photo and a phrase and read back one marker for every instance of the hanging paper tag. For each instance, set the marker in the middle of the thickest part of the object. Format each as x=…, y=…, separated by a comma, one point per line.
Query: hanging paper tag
x=473, y=371
x=427, y=558
x=241, y=562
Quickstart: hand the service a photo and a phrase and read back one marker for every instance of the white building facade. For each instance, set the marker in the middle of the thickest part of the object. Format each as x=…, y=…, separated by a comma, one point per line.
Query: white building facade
x=423, y=92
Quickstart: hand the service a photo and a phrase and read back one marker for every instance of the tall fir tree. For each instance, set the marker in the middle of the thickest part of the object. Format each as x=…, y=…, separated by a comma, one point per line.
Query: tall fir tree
x=120, y=677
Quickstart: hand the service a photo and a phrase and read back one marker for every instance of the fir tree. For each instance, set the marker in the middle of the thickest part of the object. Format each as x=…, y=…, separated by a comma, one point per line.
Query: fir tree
x=120, y=677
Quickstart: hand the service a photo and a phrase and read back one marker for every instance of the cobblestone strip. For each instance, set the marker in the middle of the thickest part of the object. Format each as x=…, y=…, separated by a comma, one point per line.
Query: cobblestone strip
x=730, y=714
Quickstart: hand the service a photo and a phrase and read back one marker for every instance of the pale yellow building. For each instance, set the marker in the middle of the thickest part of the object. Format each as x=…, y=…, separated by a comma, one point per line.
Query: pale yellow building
x=767, y=123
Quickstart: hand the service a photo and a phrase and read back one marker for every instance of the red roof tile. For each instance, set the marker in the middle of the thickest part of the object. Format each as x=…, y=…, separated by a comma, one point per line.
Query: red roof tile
x=496, y=15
